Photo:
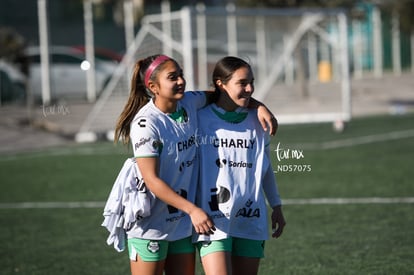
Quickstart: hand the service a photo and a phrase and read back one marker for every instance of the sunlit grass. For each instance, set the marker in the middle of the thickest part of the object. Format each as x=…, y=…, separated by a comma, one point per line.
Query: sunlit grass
x=318, y=239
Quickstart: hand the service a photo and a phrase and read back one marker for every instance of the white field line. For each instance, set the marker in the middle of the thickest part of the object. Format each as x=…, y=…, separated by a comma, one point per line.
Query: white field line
x=310, y=201
x=372, y=200
x=52, y=205
x=340, y=143
x=84, y=151
x=349, y=142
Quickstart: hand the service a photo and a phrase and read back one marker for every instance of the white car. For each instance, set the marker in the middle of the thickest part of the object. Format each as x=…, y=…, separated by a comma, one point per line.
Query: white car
x=67, y=72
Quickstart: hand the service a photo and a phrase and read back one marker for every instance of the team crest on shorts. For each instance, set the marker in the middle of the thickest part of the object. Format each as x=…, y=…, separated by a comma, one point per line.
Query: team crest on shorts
x=206, y=243
x=153, y=246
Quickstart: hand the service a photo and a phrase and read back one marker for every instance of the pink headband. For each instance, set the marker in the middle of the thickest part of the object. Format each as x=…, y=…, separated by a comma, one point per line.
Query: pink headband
x=157, y=61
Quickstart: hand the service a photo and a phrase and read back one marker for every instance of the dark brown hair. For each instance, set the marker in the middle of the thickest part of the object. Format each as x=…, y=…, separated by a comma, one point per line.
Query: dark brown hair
x=225, y=68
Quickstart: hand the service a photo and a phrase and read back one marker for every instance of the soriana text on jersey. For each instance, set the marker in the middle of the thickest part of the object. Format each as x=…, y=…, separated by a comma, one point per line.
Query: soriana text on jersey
x=238, y=164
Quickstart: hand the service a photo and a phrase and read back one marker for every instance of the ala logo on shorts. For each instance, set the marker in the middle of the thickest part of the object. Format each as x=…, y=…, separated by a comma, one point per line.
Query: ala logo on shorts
x=153, y=246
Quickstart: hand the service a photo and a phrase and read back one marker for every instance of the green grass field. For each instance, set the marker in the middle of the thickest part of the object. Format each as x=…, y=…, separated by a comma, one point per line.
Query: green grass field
x=372, y=158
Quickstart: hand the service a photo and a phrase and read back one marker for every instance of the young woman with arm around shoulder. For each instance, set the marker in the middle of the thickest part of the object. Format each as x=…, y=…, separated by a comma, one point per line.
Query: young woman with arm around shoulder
x=159, y=120
x=236, y=176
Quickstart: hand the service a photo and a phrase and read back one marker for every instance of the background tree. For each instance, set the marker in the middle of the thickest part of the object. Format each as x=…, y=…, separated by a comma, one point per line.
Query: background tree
x=405, y=8
x=297, y=3
x=12, y=46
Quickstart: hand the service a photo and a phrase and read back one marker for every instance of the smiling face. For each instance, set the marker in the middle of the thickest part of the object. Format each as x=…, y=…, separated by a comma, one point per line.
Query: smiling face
x=169, y=86
x=237, y=91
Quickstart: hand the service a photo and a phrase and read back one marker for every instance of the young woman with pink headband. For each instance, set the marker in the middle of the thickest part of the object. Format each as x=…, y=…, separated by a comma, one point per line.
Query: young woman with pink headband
x=160, y=121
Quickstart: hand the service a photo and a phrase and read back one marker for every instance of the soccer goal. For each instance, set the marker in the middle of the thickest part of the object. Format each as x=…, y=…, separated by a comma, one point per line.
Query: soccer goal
x=299, y=59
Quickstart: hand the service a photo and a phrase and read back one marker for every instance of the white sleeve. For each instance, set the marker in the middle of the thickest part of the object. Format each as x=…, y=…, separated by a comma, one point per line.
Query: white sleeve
x=270, y=185
x=145, y=138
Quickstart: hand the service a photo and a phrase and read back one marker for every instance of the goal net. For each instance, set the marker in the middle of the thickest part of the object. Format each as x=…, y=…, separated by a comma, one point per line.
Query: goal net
x=299, y=59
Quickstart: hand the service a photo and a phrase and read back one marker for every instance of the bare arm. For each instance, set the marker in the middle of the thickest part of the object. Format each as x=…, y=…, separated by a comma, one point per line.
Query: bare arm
x=265, y=116
x=273, y=197
x=148, y=167
x=272, y=194
x=278, y=221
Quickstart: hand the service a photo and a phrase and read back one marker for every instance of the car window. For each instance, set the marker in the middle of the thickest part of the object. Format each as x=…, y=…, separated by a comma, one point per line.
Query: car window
x=58, y=58
x=66, y=59
x=4, y=78
x=35, y=58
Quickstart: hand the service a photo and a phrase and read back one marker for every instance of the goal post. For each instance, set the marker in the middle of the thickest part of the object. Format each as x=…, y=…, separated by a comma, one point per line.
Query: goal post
x=150, y=40
x=271, y=40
